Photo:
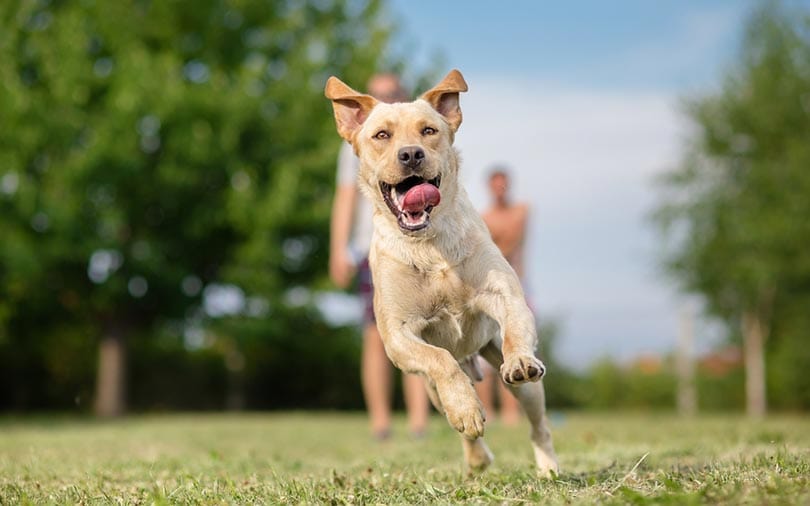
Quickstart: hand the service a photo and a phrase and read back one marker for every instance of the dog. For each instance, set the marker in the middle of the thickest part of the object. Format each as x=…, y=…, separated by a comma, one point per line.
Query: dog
x=443, y=292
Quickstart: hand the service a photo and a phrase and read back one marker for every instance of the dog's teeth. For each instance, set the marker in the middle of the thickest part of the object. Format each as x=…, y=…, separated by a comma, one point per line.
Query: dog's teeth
x=395, y=198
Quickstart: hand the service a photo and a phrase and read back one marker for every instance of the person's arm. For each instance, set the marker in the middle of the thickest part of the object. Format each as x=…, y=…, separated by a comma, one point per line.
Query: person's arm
x=341, y=266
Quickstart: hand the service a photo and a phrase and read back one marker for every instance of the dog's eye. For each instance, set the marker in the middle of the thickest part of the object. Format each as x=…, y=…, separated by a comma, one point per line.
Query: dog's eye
x=382, y=135
x=428, y=131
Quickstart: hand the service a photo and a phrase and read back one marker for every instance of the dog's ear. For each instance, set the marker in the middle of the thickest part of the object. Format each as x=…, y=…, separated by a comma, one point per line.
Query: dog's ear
x=351, y=107
x=444, y=97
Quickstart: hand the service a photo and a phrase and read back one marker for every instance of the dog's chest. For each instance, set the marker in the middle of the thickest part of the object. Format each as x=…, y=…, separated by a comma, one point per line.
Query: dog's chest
x=453, y=323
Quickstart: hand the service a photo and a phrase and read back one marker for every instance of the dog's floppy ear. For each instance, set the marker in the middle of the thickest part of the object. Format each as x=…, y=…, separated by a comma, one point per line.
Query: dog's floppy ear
x=351, y=107
x=444, y=97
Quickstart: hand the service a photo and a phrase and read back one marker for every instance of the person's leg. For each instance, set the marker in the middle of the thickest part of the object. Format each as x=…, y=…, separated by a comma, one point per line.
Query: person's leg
x=376, y=379
x=416, y=403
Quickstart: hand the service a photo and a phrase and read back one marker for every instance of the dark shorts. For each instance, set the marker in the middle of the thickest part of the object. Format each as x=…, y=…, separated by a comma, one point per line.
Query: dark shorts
x=366, y=290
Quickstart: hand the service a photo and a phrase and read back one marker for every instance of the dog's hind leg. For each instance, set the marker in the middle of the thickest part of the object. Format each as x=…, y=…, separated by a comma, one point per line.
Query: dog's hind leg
x=532, y=399
x=477, y=456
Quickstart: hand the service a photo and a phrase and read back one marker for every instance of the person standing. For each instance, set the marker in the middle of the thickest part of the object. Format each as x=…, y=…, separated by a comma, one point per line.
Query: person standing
x=506, y=222
x=350, y=239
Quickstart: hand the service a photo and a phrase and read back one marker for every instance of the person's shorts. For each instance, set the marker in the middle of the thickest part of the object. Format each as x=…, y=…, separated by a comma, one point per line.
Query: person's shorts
x=365, y=289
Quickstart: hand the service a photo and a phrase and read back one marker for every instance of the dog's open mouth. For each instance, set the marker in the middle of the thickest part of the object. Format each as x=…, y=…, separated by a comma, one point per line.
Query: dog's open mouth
x=411, y=200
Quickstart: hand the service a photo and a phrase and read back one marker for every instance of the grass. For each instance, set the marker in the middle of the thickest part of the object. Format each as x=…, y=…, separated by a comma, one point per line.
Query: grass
x=328, y=458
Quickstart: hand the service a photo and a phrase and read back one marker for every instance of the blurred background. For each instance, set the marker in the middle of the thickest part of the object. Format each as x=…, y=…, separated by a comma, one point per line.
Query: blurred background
x=167, y=172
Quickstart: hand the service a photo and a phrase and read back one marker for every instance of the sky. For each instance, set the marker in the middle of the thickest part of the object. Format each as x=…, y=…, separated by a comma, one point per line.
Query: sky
x=581, y=100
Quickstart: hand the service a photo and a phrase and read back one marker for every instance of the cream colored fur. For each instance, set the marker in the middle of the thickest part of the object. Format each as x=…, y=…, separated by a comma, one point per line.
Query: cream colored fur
x=443, y=293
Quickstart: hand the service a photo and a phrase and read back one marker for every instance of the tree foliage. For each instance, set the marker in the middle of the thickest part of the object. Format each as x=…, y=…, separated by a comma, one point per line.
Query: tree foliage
x=737, y=208
x=158, y=157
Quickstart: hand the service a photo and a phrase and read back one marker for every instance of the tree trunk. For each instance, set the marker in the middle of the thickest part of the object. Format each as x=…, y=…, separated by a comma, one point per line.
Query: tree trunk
x=235, y=364
x=111, y=375
x=687, y=401
x=754, y=354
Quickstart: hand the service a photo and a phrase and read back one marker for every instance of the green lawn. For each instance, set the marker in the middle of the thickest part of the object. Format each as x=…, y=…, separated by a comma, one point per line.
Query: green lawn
x=329, y=458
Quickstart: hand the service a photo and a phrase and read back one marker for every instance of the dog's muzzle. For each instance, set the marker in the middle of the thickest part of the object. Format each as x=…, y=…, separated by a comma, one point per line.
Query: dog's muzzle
x=411, y=201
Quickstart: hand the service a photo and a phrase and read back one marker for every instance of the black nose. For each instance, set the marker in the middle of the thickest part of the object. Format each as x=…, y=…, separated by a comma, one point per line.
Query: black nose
x=411, y=156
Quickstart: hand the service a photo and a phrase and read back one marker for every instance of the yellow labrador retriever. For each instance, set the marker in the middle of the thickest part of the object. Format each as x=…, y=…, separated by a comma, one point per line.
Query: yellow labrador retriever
x=442, y=290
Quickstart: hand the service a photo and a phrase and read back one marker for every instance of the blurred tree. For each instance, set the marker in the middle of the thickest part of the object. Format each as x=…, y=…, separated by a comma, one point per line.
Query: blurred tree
x=163, y=165
x=739, y=204
x=562, y=385
x=608, y=385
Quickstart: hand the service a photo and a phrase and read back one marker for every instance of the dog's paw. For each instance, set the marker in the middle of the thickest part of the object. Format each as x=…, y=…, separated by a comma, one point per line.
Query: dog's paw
x=477, y=456
x=469, y=420
x=521, y=369
x=463, y=410
x=547, y=466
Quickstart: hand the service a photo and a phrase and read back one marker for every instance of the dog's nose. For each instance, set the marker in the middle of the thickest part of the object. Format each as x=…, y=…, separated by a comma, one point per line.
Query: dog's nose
x=411, y=156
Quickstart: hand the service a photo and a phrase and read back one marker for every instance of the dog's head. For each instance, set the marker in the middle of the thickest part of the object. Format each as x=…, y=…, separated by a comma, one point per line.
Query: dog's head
x=405, y=149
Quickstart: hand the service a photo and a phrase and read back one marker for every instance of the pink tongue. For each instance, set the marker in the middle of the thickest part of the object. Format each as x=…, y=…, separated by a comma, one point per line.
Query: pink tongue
x=419, y=197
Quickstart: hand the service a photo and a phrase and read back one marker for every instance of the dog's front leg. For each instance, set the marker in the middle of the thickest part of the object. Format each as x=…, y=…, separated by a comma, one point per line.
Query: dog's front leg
x=503, y=300
x=456, y=395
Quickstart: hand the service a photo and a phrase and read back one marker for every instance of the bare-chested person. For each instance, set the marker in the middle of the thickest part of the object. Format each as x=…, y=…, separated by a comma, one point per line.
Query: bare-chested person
x=507, y=224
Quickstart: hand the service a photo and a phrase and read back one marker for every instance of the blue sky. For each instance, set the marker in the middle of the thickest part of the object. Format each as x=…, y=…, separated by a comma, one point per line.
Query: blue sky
x=581, y=100
x=623, y=45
